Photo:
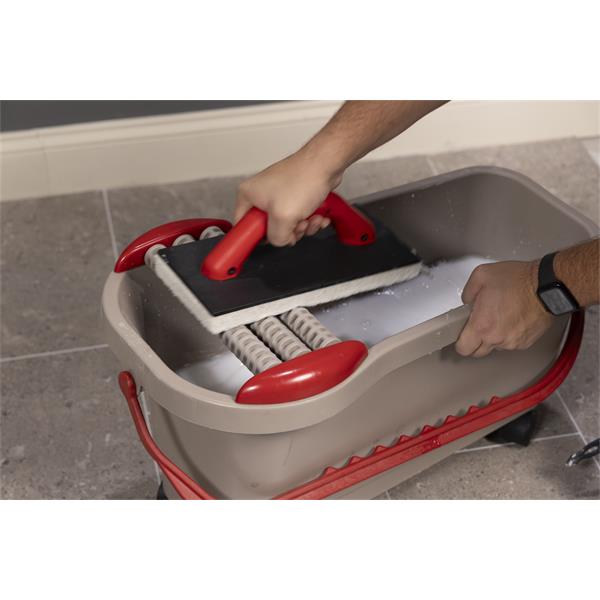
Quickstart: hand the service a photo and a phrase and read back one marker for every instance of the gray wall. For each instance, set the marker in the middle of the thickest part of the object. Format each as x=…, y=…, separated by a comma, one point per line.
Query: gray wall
x=17, y=115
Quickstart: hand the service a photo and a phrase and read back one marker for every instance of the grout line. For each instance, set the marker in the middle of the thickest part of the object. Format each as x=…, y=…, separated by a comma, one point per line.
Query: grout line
x=539, y=439
x=554, y=437
x=570, y=414
x=431, y=164
x=387, y=495
x=111, y=229
x=52, y=353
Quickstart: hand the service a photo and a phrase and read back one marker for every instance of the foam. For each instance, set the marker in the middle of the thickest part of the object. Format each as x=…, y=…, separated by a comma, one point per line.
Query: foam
x=380, y=314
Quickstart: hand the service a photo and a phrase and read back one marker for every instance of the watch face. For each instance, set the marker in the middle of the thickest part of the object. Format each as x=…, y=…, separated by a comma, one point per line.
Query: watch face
x=556, y=300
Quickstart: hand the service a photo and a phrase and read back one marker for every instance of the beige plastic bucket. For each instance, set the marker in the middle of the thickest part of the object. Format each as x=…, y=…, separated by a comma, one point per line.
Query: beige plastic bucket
x=408, y=380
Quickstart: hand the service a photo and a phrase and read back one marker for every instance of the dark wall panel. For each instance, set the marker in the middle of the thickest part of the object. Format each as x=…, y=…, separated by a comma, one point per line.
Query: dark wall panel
x=17, y=115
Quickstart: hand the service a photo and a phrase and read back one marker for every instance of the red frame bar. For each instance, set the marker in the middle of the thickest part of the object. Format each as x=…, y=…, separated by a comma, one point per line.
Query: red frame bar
x=382, y=458
x=133, y=255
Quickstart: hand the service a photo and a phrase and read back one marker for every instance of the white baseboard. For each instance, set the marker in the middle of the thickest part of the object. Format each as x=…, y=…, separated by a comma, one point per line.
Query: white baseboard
x=234, y=141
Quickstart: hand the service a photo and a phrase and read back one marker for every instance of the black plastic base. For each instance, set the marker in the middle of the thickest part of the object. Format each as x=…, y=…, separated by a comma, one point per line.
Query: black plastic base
x=160, y=494
x=520, y=431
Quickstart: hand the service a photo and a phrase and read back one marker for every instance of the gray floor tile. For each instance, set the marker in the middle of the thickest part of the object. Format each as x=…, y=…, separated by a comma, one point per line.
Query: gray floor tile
x=66, y=431
x=135, y=210
x=56, y=254
x=535, y=472
x=369, y=177
x=581, y=390
x=564, y=167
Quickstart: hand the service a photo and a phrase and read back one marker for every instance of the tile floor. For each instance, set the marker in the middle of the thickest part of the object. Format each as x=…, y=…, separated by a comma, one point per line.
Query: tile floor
x=66, y=433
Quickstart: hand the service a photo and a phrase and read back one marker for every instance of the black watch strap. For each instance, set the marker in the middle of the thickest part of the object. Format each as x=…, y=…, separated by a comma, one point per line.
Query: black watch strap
x=555, y=296
x=546, y=274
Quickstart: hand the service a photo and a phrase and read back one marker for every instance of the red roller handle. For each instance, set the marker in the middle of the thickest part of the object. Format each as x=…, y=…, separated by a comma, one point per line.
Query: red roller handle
x=133, y=256
x=227, y=258
x=305, y=375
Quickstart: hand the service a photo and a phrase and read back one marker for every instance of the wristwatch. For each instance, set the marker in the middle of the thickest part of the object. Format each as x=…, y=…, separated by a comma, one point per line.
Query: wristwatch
x=554, y=295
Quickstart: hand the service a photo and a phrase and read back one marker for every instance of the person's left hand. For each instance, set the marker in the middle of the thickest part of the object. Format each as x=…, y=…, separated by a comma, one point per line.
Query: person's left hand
x=505, y=311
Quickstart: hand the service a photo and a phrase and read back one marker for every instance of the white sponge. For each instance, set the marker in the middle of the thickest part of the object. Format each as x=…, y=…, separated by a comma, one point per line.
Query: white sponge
x=218, y=324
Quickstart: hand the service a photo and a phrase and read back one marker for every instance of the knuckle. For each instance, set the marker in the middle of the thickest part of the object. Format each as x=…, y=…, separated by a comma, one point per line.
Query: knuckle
x=244, y=188
x=510, y=344
x=284, y=213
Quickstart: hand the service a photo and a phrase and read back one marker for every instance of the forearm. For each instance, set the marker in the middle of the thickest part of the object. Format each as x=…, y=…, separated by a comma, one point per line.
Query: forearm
x=579, y=269
x=361, y=126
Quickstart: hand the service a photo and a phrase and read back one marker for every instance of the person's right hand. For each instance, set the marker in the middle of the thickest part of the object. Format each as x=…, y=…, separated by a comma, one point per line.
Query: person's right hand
x=289, y=191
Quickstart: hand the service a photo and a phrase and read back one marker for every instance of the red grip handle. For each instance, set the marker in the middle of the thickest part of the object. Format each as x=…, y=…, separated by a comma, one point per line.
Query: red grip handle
x=227, y=258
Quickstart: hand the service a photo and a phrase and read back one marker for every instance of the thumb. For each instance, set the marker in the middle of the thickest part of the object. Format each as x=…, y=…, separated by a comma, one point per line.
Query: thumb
x=471, y=289
x=280, y=230
x=242, y=206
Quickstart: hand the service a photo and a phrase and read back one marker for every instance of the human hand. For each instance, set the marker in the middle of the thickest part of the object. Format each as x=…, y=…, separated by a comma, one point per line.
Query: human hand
x=505, y=311
x=289, y=191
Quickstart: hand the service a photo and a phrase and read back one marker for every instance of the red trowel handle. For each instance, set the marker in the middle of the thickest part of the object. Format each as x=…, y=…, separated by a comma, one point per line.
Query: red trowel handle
x=227, y=258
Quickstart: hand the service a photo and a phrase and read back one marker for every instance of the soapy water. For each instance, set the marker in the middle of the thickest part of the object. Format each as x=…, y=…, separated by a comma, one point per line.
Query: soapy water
x=370, y=317
x=221, y=373
x=377, y=315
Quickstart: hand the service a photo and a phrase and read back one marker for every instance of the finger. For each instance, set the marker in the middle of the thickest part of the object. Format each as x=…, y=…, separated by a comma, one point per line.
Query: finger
x=280, y=231
x=297, y=237
x=301, y=227
x=472, y=288
x=300, y=230
x=314, y=225
x=325, y=222
x=469, y=340
x=483, y=350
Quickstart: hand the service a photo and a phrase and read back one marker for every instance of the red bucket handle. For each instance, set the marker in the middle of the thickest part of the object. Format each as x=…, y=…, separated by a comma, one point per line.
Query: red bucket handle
x=184, y=485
